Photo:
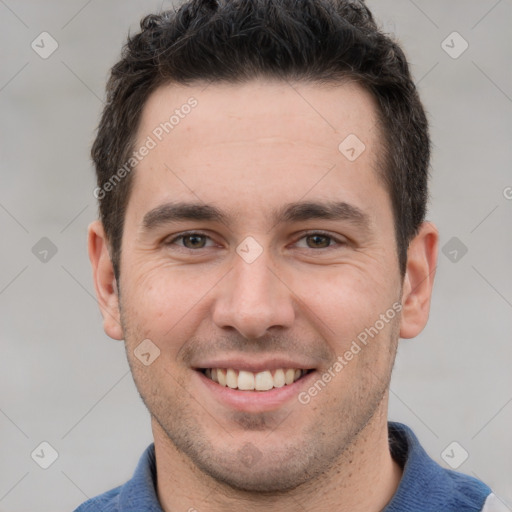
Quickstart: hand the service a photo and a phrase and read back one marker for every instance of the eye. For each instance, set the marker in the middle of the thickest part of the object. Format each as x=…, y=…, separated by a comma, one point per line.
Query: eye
x=191, y=240
x=319, y=240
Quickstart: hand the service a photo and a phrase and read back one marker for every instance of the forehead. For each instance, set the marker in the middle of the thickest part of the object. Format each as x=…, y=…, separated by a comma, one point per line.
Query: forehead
x=306, y=111
x=229, y=143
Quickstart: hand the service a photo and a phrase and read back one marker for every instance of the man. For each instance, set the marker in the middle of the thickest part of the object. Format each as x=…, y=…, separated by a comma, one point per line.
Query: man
x=262, y=179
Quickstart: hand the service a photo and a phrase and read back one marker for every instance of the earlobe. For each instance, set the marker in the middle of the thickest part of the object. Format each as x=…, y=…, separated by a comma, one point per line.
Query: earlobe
x=419, y=280
x=104, y=280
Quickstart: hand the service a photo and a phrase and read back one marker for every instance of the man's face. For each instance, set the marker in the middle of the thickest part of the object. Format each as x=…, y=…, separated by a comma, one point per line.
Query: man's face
x=270, y=285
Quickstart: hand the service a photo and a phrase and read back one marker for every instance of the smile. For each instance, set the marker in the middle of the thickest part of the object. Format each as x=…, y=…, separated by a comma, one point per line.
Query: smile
x=248, y=381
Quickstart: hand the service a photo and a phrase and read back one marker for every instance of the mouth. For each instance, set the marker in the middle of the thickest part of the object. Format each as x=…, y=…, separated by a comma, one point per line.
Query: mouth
x=243, y=380
x=253, y=387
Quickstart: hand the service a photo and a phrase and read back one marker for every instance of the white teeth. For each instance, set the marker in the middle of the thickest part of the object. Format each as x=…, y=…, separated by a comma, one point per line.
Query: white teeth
x=289, y=376
x=245, y=380
x=263, y=381
x=248, y=381
x=279, y=379
x=221, y=377
x=231, y=378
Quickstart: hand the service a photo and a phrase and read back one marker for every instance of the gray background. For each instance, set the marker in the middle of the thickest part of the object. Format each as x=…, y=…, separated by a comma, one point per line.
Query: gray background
x=64, y=382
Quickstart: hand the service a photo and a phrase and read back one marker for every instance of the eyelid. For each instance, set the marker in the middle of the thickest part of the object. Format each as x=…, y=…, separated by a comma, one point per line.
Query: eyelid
x=340, y=240
x=170, y=240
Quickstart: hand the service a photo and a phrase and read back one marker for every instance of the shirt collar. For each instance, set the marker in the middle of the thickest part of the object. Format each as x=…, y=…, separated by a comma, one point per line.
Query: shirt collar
x=139, y=493
x=425, y=485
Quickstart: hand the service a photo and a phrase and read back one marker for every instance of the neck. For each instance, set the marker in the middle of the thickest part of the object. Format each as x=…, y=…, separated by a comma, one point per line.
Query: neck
x=363, y=479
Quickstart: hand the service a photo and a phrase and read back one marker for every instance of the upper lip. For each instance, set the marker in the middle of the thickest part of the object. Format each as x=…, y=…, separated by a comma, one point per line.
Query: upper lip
x=255, y=365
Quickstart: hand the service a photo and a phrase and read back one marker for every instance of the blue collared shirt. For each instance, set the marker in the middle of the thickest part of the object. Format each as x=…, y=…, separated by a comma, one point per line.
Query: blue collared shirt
x=425, y=486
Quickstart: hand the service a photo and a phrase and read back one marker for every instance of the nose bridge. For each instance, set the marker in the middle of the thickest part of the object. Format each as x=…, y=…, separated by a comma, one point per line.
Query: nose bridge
x=253, y=299
x=253, y=284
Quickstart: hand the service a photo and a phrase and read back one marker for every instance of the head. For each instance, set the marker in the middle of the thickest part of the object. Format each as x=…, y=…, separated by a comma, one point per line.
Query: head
x=274, y=220
x=236, y=42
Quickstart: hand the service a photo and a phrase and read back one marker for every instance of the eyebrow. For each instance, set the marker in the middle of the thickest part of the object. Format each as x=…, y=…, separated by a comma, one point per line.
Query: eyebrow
x=292, y=212
x=175, y=212
x=330, y=210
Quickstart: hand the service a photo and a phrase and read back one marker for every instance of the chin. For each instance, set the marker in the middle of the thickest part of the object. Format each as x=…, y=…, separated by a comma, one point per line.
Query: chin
x=264, y=477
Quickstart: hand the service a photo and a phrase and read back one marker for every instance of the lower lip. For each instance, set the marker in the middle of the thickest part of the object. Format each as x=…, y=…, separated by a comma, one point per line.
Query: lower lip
x=255, y=401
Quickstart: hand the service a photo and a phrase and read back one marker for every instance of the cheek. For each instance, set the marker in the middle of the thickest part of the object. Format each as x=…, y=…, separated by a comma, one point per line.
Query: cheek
x=347, y=300
x=164, y=301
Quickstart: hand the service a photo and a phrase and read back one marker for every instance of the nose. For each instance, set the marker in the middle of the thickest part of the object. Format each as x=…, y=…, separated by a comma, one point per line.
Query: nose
x=253, y=299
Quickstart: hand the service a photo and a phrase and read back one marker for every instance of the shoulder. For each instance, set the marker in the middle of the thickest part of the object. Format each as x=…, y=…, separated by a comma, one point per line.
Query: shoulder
x=466, y=493
x=107, y=502
x=139, y=493
x=427, y=486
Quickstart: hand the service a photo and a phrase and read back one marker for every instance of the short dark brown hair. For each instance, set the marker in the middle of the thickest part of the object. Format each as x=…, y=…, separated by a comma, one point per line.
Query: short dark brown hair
x=236, y=41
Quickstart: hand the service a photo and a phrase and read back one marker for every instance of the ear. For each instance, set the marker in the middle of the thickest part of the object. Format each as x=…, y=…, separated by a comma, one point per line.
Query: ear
x=419, y=280
x=104, y=281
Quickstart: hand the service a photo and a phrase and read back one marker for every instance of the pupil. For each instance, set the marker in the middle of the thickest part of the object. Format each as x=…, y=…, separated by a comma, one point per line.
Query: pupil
x=193, y=241
x=318, y=239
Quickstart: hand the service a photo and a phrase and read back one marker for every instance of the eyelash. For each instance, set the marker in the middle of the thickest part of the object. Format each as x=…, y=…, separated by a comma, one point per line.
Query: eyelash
x=183, y=235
